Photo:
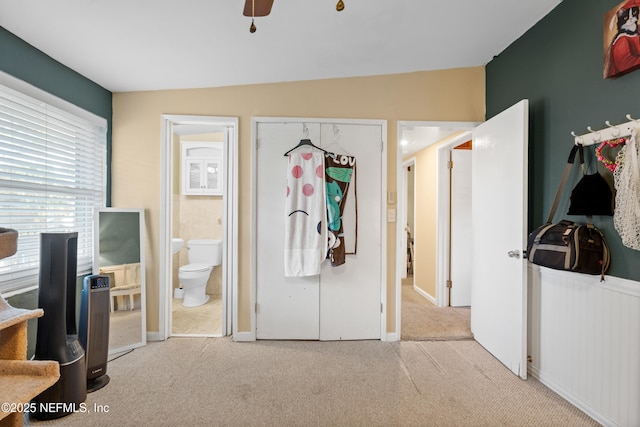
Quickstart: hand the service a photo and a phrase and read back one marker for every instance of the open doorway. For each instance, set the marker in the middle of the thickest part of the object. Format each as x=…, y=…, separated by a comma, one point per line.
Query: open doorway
x=423, y=292
x=198, y=223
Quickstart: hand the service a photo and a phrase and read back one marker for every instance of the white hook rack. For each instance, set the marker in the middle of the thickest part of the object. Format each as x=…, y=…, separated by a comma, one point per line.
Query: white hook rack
x=610, y=132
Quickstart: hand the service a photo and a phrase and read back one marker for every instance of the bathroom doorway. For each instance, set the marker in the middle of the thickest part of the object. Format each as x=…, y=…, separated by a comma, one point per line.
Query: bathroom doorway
x=188, y=216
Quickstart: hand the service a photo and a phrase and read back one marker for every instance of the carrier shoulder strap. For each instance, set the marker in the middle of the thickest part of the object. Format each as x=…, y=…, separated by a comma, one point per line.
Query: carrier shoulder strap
x=577, y=148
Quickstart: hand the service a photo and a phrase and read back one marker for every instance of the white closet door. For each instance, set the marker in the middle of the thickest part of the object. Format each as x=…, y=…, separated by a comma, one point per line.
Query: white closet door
x=343, y=302
x=350, y=293
x=287, y=307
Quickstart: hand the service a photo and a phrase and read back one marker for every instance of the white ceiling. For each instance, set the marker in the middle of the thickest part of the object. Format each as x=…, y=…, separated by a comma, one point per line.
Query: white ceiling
x=133, y=45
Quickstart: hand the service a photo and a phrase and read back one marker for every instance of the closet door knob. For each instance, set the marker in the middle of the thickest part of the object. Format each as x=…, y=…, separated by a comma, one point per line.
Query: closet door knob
x=514, y=254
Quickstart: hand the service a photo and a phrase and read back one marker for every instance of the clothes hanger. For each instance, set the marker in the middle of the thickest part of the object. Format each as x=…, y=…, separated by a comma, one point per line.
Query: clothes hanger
x=305, y=141
x=335, y=143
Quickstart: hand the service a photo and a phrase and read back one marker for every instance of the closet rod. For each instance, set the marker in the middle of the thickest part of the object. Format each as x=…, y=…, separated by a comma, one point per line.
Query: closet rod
x=610, y=132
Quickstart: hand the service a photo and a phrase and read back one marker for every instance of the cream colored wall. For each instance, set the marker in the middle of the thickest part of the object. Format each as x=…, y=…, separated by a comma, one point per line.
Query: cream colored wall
x=444, y=95
x=411, y=199
x=426, y=192
x=426, y=173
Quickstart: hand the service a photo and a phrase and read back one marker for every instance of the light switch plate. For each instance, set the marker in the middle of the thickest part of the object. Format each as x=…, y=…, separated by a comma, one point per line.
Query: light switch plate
x=391, y=215
x=391, y=197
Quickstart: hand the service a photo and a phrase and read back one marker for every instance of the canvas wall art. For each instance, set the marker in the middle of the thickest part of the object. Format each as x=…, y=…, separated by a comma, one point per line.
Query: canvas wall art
x=621, y=39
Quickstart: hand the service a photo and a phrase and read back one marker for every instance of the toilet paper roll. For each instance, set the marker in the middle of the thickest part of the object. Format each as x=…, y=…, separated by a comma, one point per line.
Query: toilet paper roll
x=178, y=293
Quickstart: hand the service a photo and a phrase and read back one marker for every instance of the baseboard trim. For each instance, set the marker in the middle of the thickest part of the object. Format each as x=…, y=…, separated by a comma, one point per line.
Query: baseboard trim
x=426, y=295
x=572, y=398
x=390, y=337
x=244, y=336
x=153, y=336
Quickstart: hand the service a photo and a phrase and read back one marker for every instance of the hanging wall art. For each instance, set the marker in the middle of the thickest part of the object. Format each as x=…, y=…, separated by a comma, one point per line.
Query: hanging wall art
x=621, y=39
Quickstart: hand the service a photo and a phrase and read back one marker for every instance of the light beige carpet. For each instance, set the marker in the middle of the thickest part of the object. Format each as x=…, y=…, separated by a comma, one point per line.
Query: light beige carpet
x=422, y=320
x=218, y=382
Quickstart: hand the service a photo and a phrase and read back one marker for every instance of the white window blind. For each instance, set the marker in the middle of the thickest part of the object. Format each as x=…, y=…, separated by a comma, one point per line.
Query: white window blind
x=52, y=176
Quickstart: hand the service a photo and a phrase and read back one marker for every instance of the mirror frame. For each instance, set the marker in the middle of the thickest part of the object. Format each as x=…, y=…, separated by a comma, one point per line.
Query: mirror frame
x=143, y=287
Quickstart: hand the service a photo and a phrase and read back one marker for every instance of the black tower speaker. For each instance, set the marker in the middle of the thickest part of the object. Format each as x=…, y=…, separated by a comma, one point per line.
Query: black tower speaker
x=57, y=338
x=94, y=329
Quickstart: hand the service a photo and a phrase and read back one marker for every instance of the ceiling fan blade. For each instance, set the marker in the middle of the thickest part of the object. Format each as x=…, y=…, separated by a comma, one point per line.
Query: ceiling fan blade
x=262, y=7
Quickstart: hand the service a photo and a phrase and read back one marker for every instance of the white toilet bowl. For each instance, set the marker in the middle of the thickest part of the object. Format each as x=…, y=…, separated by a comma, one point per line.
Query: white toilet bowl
x=194, y=278
x=203, y=255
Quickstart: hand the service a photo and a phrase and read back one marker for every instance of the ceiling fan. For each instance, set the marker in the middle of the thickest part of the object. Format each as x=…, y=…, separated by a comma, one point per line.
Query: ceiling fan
x=255, y=8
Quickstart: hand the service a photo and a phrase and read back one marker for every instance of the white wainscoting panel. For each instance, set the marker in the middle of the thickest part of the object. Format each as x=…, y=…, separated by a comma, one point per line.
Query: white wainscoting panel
x=584, y=342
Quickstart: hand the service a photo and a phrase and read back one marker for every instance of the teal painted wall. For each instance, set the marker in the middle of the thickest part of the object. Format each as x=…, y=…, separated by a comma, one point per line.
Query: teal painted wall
x=558, y=65
x=23, y=61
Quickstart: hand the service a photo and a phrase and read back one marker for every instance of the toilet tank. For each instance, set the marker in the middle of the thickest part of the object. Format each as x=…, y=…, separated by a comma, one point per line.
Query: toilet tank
x=205, y=251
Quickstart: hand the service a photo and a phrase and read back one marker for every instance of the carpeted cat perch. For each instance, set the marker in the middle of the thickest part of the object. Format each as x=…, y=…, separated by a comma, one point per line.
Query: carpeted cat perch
x=20, y=380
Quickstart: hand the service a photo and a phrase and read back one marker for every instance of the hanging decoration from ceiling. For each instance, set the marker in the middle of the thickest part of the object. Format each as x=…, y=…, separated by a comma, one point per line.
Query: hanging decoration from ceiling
x=260, y=8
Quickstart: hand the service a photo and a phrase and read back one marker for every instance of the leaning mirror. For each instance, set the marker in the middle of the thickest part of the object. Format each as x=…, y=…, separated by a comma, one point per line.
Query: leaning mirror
x=119, y=254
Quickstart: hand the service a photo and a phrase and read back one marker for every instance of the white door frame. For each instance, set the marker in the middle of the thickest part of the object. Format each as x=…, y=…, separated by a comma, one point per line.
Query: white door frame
x=255, y=121
x=229, y=218
x=442, y=215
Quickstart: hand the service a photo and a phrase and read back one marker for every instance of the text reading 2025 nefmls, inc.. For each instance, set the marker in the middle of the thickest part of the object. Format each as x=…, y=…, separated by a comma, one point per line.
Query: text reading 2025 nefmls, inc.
x=53, y=407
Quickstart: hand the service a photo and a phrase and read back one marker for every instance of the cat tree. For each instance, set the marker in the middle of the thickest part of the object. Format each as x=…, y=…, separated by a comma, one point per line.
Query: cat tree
x=20, y=380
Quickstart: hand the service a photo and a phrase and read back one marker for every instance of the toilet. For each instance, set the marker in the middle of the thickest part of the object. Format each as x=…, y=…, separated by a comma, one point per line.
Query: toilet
x=203, y=256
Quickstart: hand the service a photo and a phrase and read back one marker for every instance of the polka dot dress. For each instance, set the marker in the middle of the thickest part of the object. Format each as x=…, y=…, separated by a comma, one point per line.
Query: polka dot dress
x=305, y=230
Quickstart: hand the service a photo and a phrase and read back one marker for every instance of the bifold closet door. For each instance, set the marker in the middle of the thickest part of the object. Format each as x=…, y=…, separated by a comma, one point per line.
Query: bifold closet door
x=350, y=294
x=342, y=302
x=287, y=307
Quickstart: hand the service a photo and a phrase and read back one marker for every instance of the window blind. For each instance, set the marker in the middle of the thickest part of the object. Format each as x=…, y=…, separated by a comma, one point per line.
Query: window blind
x=52, y=177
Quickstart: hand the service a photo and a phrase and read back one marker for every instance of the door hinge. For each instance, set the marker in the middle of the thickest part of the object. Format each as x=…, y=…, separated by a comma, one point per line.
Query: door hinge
x=449, y=284
x=450, y=164
x=381, y=308
x=255, y=308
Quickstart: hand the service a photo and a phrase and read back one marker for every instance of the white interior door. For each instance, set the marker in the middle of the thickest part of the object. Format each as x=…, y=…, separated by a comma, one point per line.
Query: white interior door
x=350, y=293
x=342, y=302
x=287, y=307
x=460, y=295
x=499, y=213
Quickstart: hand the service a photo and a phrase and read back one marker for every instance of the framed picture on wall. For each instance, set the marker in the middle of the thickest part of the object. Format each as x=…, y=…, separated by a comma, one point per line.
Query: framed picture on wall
x=621, y=39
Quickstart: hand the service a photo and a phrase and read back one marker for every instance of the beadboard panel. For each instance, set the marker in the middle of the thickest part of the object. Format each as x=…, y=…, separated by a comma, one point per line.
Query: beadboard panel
x=584, y=342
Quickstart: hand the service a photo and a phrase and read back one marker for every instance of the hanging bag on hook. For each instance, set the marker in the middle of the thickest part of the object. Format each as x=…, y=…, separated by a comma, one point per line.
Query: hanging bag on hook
x=567, y=245
x=626, y=219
